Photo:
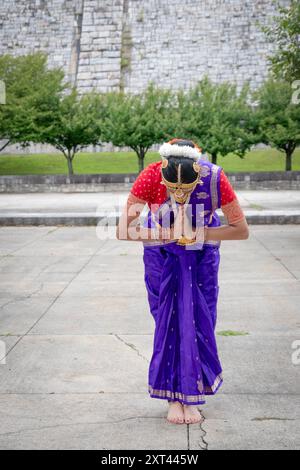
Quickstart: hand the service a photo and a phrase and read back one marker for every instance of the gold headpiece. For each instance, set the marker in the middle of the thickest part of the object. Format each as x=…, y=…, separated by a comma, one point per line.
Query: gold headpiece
x=181, y=190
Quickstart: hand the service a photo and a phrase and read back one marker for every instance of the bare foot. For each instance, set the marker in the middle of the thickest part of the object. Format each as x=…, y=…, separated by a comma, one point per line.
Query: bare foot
x=191, y=414
x=175, y=413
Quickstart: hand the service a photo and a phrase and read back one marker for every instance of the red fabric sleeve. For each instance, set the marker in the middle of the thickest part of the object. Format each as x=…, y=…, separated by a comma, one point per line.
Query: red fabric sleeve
x=142, y=187
x=227, y=191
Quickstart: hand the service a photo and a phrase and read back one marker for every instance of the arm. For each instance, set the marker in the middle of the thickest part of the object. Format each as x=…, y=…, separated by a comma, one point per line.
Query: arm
x=237, y=228
x=128, y=227
x=140, y=194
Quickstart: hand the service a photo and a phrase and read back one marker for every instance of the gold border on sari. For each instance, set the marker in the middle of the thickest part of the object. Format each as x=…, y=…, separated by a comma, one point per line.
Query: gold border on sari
x=213, y=188
x=208, y=390
x=174, y=395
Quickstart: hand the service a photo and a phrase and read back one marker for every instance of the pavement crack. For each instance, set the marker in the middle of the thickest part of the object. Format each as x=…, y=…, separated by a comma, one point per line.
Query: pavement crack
x=22, y=297
x=131, y=346
x=277, y=258
x=203, y=442
x=12, y=301
x=83, y=423
x=34, y=240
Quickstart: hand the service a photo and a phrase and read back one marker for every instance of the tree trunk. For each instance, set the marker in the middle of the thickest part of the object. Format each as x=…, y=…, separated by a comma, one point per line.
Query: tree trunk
x=70, y=164
x=214, y=158
x=141, y=157
x=288, y=160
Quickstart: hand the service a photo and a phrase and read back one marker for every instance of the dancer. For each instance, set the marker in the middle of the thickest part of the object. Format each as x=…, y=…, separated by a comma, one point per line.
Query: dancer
x=181, y=237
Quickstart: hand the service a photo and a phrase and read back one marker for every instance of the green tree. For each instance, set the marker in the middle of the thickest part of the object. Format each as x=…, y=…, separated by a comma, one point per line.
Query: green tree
x=217, y=117
x=31, y=89
x=138, y=121
x=74, y=125
x=285, y=33
x=279, y=117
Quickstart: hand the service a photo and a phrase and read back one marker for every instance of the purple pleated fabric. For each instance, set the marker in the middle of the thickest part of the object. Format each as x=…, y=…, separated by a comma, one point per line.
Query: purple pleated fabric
x=182, y=287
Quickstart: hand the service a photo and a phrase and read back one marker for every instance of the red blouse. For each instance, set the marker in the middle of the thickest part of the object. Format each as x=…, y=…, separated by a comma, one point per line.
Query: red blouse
x=148, y=188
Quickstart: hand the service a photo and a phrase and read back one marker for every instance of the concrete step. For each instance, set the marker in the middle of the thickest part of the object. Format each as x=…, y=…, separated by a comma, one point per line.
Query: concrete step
x=260, y=207
x=90, y=218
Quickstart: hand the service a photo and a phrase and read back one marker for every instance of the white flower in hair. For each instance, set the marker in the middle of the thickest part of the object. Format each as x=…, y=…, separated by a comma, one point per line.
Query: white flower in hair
x=166, y=150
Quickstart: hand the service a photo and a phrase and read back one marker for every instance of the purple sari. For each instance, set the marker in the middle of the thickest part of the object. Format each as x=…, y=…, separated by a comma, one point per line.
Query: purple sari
x=182, y=287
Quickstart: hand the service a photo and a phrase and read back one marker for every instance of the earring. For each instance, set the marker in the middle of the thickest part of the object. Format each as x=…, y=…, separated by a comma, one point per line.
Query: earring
x=165, y=162
x=196, y=167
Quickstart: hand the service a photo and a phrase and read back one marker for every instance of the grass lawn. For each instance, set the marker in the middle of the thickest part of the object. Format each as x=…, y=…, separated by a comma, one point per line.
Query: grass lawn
x=126, y=162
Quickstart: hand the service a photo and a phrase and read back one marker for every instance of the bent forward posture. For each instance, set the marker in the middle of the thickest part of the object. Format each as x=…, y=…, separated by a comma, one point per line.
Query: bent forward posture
x=181, y=237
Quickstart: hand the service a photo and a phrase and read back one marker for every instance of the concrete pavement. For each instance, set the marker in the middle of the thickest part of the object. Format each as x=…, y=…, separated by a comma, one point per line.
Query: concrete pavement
x=261, y=207
x=78, y=335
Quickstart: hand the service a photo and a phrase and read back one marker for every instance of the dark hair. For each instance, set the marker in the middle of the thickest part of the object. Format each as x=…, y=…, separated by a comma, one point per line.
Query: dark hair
x=188, y=174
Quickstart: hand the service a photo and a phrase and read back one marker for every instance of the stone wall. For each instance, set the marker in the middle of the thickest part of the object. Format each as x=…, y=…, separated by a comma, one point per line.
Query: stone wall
x=27, y=26
x=123, y=44
x=176, y=42
x=122, y=182
x=113, y=44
